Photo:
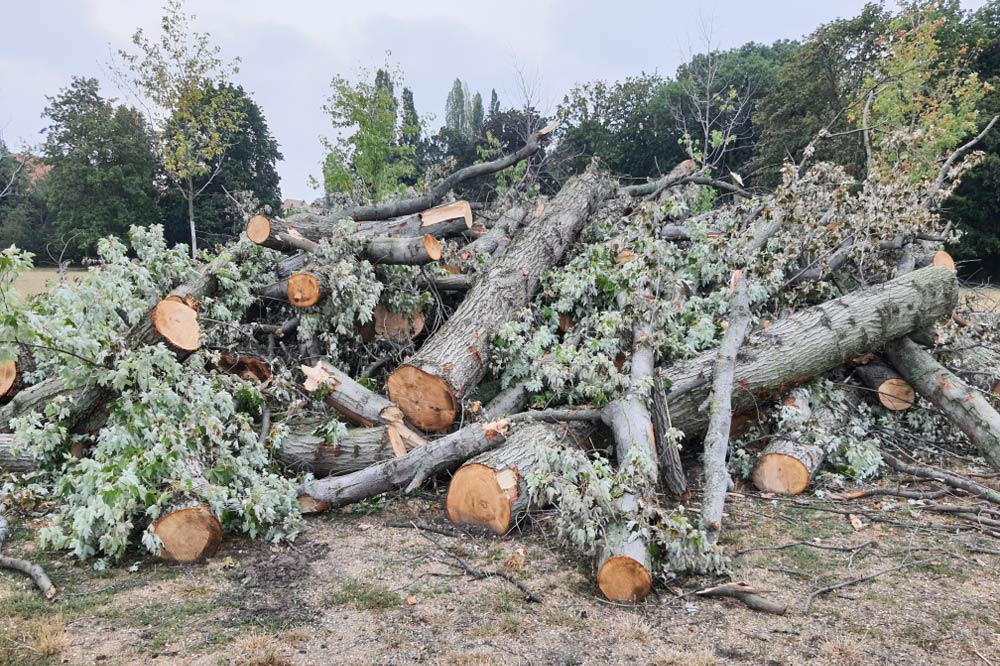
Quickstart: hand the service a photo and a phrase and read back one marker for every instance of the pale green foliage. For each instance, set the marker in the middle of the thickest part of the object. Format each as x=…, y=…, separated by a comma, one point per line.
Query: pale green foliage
x=174, y=431
x=586, y=491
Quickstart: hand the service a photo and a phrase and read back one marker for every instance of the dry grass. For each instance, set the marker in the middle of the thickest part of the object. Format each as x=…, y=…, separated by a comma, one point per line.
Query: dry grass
x=48, y=637
x=39, y=280
x=276, y=607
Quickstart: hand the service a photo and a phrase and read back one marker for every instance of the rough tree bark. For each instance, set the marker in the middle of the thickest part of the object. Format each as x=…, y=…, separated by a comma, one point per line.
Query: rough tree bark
x=966, y=408
x=408, y=471
x=304, y=451
x=811, y=342
x=429, y=387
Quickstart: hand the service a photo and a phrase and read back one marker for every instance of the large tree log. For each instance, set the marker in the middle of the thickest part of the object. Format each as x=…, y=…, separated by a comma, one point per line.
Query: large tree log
x=965, y=406
x=490, y=490
x=410, y=470
x=811, y=342
x=304, y=451
x=429, y=387
x=720, y=411
x=786, y=466
x=188, y=531
x=415, y=243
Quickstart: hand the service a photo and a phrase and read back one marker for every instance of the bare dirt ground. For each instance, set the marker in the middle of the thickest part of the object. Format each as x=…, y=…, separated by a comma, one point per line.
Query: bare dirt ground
x=361, y=586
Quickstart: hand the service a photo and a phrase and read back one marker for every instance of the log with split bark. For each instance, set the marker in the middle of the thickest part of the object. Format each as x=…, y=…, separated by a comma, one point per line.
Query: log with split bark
x=302, y=450
x=429, y=387
x=962, y=404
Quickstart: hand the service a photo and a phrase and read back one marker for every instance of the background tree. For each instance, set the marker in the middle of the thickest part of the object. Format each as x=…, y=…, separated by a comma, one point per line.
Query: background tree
x=24, y=218
x=626, y=123
x=374, y=158
x=247, y=168
x=103, y=167
x=174, y=74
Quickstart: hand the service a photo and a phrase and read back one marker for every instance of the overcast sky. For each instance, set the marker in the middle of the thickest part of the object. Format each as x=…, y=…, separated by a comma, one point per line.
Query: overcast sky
x=290, y=49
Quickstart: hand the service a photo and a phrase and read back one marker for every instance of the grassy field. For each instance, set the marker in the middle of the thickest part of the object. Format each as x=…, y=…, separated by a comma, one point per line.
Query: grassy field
x=38, y=280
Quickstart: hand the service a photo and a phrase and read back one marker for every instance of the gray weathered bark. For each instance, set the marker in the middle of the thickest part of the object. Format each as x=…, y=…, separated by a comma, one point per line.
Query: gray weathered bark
x=429, y=387
x=964, y=406
x=720, y=413
x=813, y=341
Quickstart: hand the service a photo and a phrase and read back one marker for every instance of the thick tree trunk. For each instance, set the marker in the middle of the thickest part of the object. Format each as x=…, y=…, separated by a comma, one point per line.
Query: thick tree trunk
x=720, y=413
x=495, y=241
x=977, y=365
x=490, y=490
x=410, y=470
x=890, y=389
x=811, y=342
x=786, y=467
x=303, y=451
x=413, y=251
x=966, y=408
x=430, y=386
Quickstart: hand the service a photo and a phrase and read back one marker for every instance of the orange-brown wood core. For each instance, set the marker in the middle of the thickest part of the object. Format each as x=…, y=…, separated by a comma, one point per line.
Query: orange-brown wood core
x=896, y=394
x=304, y=290
x=432, y=246
x=259, y=229
x=427, y=400
x=480, y=495
x=623, y=579
x=780, y=473
x=189, y=535
x=177, y=324
x=8, y=376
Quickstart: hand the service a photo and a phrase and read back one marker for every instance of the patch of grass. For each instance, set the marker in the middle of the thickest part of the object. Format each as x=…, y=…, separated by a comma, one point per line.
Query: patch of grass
x=363, y=596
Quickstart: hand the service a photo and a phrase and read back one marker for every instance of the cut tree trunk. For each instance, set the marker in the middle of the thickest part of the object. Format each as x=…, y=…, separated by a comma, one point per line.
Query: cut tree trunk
x=940, y=258
x=403, y=251
x=811, y=342
x=188, y=532
x=302, y=290
x=408, y=471
x=495, y=241
x=250, y=367
x=303, y=451
x=963, y=405
x=429, y=387
x=624, y=571
x=891, y=390
x=490, y=490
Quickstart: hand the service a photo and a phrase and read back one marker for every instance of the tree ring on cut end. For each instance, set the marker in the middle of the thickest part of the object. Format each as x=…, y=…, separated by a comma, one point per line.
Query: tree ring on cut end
x=188, y=535
x=426, y=400
x=623, y=579
x=177, y=323
x=259, y=229
x=476, y=498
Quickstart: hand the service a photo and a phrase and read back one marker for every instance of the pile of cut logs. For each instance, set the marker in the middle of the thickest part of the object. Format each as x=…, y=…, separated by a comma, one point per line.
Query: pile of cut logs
x=435, y=416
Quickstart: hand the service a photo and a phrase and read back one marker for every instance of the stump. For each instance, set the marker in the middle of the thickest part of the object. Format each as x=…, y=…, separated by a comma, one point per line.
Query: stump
x=189, y=533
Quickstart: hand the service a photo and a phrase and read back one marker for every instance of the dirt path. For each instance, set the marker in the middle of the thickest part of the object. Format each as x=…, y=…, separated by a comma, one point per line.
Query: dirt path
x=361, y=588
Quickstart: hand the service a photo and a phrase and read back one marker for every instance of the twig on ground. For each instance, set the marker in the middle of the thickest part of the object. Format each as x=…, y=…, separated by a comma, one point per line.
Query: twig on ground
x=948, y=478
x=808, y=544
x=745, y=594
x=33, y=571
x=856, y=581
x=477, y=574
x=894, y=492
